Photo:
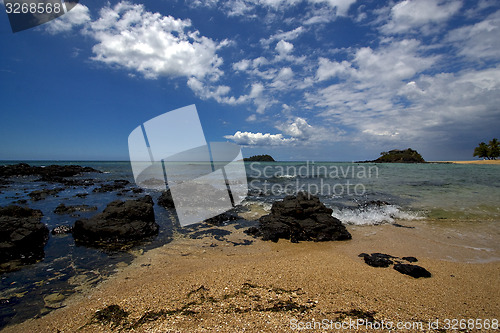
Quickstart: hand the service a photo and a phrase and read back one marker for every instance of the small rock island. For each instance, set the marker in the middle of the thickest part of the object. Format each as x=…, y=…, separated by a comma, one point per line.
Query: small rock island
x=259, y=158
x=400, y=156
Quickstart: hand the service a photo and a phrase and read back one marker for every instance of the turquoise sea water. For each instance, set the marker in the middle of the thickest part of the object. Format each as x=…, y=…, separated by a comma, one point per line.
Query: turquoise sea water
x=434, y=190
x=359, y=194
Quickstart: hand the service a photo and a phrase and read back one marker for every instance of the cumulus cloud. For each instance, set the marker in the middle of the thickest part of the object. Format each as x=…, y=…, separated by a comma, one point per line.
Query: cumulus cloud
x=417, y=15
x=329, y=69
x=154, y=45
x=283, y=47
x=258, y=139
x=76, y=17
x=295, y=131
x=298, y=128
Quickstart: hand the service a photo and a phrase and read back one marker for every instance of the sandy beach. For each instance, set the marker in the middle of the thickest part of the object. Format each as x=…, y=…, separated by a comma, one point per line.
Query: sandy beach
x=201, y=285
x=496, y=162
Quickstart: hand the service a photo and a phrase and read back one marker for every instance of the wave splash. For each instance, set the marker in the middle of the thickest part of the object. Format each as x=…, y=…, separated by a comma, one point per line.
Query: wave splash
x=373, y=215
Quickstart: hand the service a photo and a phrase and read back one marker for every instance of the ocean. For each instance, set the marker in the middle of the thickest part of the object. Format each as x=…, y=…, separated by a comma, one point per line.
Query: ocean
x=448, y=196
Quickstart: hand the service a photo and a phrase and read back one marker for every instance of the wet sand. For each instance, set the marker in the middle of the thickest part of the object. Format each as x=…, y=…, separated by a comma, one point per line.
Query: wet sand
x=201, y=285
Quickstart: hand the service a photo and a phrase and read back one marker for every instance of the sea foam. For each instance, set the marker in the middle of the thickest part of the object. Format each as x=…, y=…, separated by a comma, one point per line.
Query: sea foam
x=373, y=215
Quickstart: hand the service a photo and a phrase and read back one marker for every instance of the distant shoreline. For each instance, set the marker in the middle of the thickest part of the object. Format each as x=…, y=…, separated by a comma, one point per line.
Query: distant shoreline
x=470, y=162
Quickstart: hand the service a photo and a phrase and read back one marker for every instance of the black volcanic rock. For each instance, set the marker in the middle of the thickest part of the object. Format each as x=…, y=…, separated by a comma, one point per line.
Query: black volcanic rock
x=22, y=235
x=121, y=221
x=300, y=218
x=385, y=260
x=412, y=270
x=42, y=194
x=165, y=200
x=23, y=169
x=377, y=259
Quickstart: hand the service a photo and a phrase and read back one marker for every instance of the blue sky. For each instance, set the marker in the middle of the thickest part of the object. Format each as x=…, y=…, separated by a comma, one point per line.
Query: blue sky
x=323, y=80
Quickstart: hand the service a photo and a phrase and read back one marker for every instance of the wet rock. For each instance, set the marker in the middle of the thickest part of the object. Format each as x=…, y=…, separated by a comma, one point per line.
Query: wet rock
x=221, y=218
x=62, y=230
x=54, y=301
x=68, y=182
x=42, y=194
x=402, y=226
x=121, y=221
x=300, y=218
x=385, y=260
x=23, y=236
x=116, y=185
x=63, y=209
x=412, y=270
x=377, y=259
x=112, y=316
x=165, y=200
x=23, y=169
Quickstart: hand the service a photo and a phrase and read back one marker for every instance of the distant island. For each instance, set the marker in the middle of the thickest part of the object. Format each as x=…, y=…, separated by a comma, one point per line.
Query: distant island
x=400, y=156
x=259, y=158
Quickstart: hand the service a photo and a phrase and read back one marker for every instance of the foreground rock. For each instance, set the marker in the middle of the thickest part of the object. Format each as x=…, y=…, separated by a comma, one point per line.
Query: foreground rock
x=377, y=259
x=120, y=222
x=300, y=218
x=42, y=194
x=385, y=260
x=412, y=270
x=165, y=200
x=23, y=236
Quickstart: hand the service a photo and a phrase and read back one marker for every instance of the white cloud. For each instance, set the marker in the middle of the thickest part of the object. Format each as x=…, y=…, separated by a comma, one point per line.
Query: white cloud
x=248, y=8
x=283, y=47
x=286, y=36
x=298, y=128
x=391, y=63
x=416, y=15
x=78, y=16
x=258, y=139
x=241, y=65
x=152, y=44
x=341, y=6
x=252, y=117
x=478, y=41
x=283, y=79
x=206, y=91
x=328, y=69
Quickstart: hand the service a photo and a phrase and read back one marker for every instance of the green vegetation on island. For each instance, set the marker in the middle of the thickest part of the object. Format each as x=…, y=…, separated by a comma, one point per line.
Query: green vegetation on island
x=488, y=151
x=259, y=158
x=400, y=156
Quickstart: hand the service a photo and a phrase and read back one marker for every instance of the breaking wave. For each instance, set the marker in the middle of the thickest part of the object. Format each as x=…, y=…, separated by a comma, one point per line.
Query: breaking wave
x=373, y=215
